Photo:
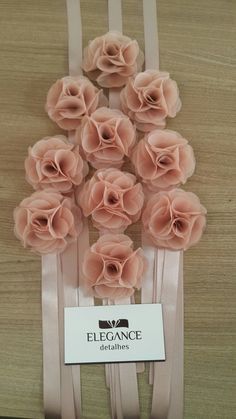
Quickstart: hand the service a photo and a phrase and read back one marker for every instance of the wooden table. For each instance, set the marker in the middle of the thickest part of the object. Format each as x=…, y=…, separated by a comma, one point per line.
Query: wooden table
x=197, y=45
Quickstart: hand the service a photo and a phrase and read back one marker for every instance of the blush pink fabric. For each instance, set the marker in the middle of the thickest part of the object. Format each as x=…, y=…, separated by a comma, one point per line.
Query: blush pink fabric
x=54, y=162
x=106, y=137
x=70, y=99
x=46, y=221
x=113, y=199
x=112, y=58
x=163, y=159
x=149, y=98
x=174, y=220
x=112, y=269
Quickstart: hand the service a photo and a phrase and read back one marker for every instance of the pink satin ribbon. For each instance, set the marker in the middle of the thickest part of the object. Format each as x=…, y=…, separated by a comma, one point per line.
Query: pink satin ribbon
x=75, y=39
x=163, y=370
x=176, y=409
x=151, y=34
x=83, y=245
x=71, y=384
x=121, y=378
x=167, y=266
x=129, y=396
x=62, y=388
x=67, y=395
x=51, y=350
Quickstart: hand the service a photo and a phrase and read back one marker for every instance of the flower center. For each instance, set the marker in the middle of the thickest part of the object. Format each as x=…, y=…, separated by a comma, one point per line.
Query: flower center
x=112, y=269
x=112, y=50
x=180, y=226
x=152, y=96
x=164, y=160
x=112, y=198
x=40, y=222
x=107, y=133
x=49, y=169
x=72, y=90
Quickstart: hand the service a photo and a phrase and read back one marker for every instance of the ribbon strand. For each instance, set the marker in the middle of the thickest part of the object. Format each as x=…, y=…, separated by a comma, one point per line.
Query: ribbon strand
x=67, y=399
x=74, y=37
x=163, y=370
x=123, y=377
x=176, y=410
x=151, y=34
x=51, y=351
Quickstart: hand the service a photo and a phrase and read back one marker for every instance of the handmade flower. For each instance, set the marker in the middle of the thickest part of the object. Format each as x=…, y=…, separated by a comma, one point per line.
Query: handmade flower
x=174, y=220
x=106, y=137
x=54, y=162
x=111, y=268
x=163, y=159
x=112, y=58
x=149, y=98
x=113, y=199
x=70, y=99
x=46, y=221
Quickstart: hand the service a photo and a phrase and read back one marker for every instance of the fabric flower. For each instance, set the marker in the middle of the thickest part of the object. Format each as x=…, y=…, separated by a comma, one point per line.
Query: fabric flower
x=113, y=199
x=70, y=99
x=174, y=220
x=163, y=159
x=112, y=58
x=47, y=221
x=149, y=98
x=54, y=162
x=111, y=268
x=106, y=137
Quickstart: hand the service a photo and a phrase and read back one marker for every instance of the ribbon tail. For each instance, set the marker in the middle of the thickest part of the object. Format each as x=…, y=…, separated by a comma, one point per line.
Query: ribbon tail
x=51, y=351
x=163, y=370
x=75, y=46
x=176, y=410
x=67, y=391
x=151, y=34
x=128, y=384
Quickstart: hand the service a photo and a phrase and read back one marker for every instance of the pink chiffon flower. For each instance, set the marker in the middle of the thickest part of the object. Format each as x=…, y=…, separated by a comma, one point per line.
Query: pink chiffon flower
x=70, y=99
x=112, y=58
x=163, y=159
x=149, y=98
x=112, y=269
x=174, y=220
x=113, y=199
x=54, y=162
x=106, y=137
x=46, y=221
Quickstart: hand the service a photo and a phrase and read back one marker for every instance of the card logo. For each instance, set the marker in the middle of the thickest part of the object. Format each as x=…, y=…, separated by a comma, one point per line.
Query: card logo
x=113, y=324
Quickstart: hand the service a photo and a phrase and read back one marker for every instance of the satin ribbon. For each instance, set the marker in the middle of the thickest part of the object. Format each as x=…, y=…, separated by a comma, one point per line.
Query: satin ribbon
x=176, y=409
x=147, y=288
x=151, y=62
x=51, y=350
x=75, y=39
x=163, y=370
x=83, y=245
x=167, y=376
x=115, y=24
x=70, y=261
x=111, y=370
x=66, y=273
x=121, y=378
x=62, y=392
x=128, y=383
x=151, y=34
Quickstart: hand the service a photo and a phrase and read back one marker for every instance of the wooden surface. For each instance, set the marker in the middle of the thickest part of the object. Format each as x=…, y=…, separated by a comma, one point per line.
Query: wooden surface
x=197, y=45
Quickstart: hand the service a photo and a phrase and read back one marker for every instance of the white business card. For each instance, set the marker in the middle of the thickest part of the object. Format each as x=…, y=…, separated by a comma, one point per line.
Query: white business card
x=119, y=333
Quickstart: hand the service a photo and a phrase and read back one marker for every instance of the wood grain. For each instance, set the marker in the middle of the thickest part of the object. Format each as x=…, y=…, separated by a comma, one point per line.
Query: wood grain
x=197, y=45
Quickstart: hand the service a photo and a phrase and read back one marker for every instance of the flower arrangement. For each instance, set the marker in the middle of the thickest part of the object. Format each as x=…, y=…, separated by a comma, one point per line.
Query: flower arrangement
x=104, y=138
